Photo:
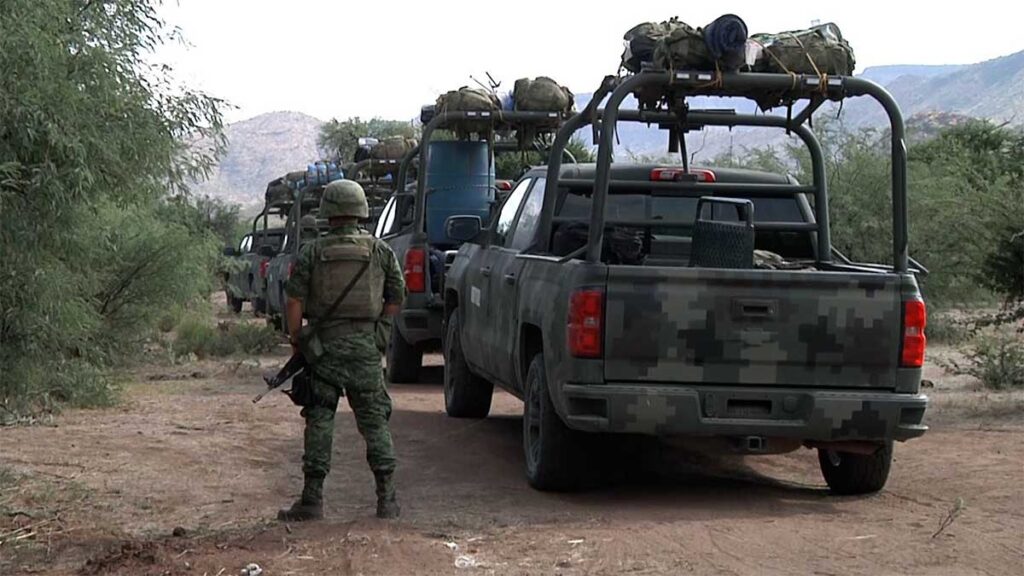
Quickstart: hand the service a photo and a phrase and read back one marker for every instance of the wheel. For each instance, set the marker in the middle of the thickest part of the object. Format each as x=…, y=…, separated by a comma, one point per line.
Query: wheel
x=234, y=304
x=555, y=455
x=847, y=473
x=466, y=395
x=404, y=359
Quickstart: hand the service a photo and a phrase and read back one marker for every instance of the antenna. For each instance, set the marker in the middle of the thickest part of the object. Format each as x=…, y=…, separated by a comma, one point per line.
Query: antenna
x=479, y=83
x=493, y=84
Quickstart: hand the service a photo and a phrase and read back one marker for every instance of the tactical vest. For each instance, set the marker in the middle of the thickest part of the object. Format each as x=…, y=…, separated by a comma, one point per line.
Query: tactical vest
x=338, y=260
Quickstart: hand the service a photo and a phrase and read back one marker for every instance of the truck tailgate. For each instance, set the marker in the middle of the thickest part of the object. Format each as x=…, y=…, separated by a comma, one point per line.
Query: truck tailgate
x=749, y=327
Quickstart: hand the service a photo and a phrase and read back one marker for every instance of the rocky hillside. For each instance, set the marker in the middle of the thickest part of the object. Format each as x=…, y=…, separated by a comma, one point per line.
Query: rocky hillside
x=262, y=148
x=259, y=150
x=993, y=89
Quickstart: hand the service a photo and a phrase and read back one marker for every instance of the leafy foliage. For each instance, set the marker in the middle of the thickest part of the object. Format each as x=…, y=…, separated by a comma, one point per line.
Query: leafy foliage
x=965, y=194
x=996, y=360
x=95, y=230
x=511, y=166
x=195, y=335
x=339, y=139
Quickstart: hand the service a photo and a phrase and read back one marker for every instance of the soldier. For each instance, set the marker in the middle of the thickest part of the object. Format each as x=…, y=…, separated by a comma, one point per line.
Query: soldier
x=352, y=337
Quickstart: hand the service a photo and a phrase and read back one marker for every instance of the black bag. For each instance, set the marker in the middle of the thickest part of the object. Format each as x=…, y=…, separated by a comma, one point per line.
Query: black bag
x=620, y=245
x=301, y=392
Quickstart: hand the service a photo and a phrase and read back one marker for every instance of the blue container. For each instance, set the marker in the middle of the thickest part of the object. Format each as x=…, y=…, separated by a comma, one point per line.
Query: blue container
x=459, y=181
x=322, y=173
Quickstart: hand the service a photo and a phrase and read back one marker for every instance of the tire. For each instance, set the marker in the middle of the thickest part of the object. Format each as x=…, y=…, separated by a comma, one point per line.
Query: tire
x=555, y=455
x=849, y=474
x=404, y=359
x=466, y=395
x=234, y=304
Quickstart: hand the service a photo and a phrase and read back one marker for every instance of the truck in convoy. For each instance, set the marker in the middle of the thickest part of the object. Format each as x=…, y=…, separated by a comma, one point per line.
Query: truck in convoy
x=455, y=177
x=246, y=274
x=698, y=303
x=305, y=190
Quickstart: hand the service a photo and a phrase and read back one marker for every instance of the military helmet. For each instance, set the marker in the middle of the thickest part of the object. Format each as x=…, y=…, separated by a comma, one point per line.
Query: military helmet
x=344, y=198
x=307, y=221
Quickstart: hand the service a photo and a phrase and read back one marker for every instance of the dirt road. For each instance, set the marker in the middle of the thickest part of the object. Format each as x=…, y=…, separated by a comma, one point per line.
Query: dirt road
x=102, y=492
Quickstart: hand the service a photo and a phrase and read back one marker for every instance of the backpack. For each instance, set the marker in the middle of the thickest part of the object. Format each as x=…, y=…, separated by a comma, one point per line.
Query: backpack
x=393, y=148
x=683, y=47
x=817, y=50
x=674, y=45
x=641, y=40
x=386, y=155
x=542, y=95
x=468, y=99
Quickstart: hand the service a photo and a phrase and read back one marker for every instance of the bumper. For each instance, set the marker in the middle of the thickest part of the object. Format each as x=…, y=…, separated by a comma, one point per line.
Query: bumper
x=665, y=410
x=421, y=326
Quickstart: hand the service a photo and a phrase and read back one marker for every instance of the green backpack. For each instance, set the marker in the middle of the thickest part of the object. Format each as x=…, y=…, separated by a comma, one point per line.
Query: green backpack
x=682, y=48
x=468, y=99
x=669, y=45
x=542, y=95
x=817, y=50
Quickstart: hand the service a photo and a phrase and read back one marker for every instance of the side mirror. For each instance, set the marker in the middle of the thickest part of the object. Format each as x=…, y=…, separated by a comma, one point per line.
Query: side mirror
x=267, y=251
x=463, y=228
x=230, y=251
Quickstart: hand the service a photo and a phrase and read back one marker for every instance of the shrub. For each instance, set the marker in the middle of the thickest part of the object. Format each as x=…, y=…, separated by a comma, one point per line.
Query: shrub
x=997, y=361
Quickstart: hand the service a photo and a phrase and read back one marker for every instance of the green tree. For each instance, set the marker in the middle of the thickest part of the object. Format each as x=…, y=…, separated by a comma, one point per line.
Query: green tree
x=94, y=141
x=339, y=139
x=206, y=214
x=509, y=166
x=965, y=195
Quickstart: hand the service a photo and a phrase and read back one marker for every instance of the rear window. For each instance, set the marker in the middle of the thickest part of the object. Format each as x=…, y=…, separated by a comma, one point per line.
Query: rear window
x=641, y=206
x=646, y=207
x=274, y=239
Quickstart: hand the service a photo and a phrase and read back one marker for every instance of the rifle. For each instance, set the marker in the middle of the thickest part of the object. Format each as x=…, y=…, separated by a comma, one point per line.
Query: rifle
x=295, y=365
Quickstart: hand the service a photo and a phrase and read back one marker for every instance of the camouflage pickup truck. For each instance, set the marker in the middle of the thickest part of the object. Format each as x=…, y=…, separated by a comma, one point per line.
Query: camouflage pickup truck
x=457, y=178
x=246, y=274
x=680, y=302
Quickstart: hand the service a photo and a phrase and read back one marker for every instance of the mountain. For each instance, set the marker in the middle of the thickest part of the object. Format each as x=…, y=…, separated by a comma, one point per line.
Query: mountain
x=261, y=149
x=265, y=147
x=886, y=74
x=993, y=90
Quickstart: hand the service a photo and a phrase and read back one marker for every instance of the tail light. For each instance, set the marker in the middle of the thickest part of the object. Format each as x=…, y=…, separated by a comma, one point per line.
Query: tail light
x=415, y=266
x=915, y=317
x=503, y=185
x=291, y=268
x=263, y=268
x=586, y=317
x=678, y=175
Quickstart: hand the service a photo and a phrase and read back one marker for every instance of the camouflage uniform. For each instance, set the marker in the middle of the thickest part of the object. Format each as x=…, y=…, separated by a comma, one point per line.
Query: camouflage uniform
x=351, y=367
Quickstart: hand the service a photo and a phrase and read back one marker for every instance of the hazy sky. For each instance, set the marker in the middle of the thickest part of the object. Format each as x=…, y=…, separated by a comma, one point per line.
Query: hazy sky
x=386, y=58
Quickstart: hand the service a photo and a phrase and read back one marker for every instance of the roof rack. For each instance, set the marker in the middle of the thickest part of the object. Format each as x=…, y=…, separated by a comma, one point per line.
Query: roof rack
x=675, y=86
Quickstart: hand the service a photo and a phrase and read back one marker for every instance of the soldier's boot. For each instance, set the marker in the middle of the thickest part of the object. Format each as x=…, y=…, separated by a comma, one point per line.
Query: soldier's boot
x=387, y=502
x=308, y=507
